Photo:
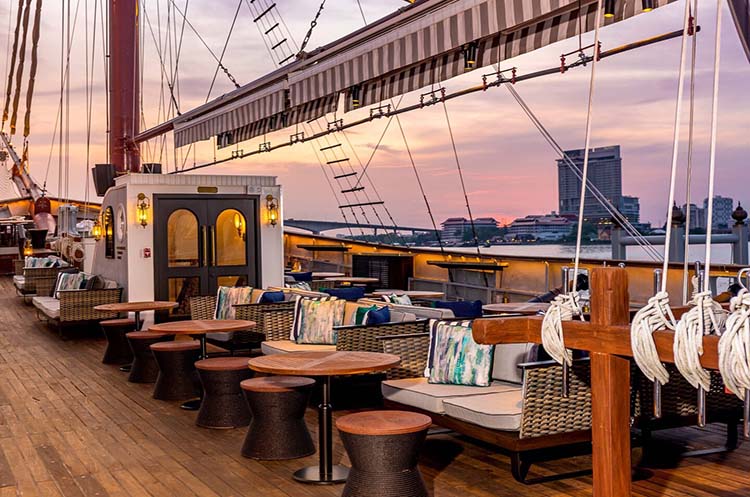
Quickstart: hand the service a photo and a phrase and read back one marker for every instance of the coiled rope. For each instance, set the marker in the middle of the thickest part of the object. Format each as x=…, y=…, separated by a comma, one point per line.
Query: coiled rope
x=657, y=314
x=565, y=307
x=734, y=345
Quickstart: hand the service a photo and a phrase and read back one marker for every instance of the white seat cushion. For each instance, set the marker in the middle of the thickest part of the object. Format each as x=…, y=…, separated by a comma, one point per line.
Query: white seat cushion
x=498, y=411
x=284, y=346
x=507, y=357
x=19, y=281
x=416, y=392
x=49, y=306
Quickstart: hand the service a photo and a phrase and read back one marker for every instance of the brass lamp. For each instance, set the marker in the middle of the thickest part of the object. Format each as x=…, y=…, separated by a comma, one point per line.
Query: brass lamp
x=28, y=250
x=96, y=230
x=272, y=209
x=143, y=204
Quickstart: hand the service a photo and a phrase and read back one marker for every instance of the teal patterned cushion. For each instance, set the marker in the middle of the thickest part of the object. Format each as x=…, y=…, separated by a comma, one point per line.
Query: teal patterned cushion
x=315, y=319
x=68, y=281
x=455, y=358
x=396, y=299
x=227, y=297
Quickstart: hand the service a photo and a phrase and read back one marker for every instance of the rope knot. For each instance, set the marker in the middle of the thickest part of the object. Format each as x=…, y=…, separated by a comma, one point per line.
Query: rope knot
x=563, y=308
x=655, y=315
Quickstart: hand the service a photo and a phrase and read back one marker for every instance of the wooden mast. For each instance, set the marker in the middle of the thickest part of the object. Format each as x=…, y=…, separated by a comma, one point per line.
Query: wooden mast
x=124, y=84
x=607, y=337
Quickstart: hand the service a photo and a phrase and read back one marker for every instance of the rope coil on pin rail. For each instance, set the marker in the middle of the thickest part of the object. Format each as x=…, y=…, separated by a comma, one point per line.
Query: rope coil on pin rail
x=707, y=316
x=567, y=306
x=657, y=314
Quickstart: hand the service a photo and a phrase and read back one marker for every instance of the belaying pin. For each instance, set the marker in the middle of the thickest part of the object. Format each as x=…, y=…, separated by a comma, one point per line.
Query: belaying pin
x=565, y=380
x=701, y=407
x=657, y=399
x=746, y=416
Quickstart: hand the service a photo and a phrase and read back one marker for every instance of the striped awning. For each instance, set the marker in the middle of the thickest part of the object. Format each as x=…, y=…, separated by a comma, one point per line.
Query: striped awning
x=251, y=112
x=427, y=46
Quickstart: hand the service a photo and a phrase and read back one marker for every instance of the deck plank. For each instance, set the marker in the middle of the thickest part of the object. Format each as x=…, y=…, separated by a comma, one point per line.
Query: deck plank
x=71, y=426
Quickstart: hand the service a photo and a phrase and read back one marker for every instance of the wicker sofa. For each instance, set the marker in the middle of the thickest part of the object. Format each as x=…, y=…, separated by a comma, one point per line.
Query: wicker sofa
x=75, y=307
x=35, y=280
x=525, y=414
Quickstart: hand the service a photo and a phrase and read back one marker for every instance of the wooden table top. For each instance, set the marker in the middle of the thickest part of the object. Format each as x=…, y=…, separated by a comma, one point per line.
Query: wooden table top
x=352, y=279
x=327, y=274
x=202, y=326
x=383, y=422
x=324, y=363
x=526, y=308
x=137, y=306
x=417, y=294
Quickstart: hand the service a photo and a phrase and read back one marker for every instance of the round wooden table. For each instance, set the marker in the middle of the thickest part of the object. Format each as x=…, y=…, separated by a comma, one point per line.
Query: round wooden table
x=352, y=279
x=327, y=274
x=199, y=328
x=324, y=365
x=412, y=294
x=137, y=308
x=523, y=308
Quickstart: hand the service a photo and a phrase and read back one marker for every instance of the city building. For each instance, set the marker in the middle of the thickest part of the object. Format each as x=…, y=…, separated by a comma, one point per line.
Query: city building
x=546, y=227
x=605, y=172
x=697, y=216
x=722, y=214
x=455, y=228
x=630, y=207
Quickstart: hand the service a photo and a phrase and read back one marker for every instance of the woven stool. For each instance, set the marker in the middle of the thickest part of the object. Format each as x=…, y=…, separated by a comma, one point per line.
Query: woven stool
x=277, y=430
x=144, y=369
x=223, y=405
x=383, y=448
x=117, y=351
x=178, y=378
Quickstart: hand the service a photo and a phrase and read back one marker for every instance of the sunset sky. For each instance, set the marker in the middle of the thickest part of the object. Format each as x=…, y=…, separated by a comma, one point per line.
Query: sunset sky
x=509, y=169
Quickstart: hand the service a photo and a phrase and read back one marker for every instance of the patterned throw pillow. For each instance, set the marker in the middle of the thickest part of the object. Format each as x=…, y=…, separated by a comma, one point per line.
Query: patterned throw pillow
x=68, y=281
x=455, y=358
x=315, y=319
x=302, y=285
x=227, y=297
x=397, y=299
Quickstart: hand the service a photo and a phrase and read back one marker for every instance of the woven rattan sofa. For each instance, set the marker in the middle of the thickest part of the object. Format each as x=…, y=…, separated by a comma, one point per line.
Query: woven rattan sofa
x=35, y=280
x=75, y=307
x=527, y=417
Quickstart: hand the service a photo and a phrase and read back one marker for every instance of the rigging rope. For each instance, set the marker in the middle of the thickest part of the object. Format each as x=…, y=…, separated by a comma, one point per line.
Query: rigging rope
x=11, y=72
x=657, y=314
x=707, y=317
x=33, y=69
x=313, y=23
x=224, y=49
x=19, y=73
x=567, y=305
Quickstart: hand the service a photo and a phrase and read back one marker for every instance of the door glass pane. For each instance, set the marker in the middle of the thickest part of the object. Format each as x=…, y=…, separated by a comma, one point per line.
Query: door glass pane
x=180, y=291
x=231, y=238
x=182, y=239
x=231, y=281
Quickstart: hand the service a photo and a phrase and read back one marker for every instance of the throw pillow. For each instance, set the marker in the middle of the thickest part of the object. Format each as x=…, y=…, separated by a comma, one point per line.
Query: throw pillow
x=359, y=317
x=227, y=297
x=397, y=299
x=378, y=316
x=351, y=293
x=271, y=297
x=67, y=280
x=455, y=358
x=315, y=319
x=302, y=285
x=96, y=282
x=464, y=309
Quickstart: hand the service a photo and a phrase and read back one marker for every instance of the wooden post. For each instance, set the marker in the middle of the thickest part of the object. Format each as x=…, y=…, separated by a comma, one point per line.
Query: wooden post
x=610, y=388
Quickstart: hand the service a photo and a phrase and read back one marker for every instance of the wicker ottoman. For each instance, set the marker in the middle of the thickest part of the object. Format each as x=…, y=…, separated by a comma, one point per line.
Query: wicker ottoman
x=178, y=378
x=223, y=405
x=118, y=351
x=144, y=369
x=383, y=447
x=277, y=430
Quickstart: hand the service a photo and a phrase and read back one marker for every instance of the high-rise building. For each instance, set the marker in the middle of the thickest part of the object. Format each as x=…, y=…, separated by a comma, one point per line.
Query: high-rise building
x=605, y=172
x=697, y=216
x=630, y=207
x=722, y=214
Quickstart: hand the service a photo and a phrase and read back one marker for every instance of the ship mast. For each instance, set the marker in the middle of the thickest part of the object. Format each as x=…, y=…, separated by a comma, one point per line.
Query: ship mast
x=124, y=85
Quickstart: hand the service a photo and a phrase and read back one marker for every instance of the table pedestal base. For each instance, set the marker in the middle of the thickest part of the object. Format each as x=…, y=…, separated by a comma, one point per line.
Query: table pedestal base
x=338, y=474
x=126, y=368
x=191, y=405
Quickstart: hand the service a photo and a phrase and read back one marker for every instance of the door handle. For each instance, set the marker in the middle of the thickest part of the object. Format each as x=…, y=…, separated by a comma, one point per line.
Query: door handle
x=213, y=245
x=204, y=246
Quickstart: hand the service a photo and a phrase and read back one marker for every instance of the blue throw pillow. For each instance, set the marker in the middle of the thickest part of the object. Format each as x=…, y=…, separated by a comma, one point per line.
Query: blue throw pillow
x=302, y=276
x=271, y=297
x=351, y=293
x=465, y=309
x=378, y=316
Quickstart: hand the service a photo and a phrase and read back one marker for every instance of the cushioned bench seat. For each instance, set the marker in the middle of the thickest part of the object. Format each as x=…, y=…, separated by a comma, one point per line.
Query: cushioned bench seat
x=497, y=411
x=417, y=392
x=49, y=306
x=284, y=346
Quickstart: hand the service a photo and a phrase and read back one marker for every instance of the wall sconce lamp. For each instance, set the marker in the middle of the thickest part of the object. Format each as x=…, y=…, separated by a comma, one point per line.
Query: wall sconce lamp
x=28, y=250
x=272, y=208
x=142, y=205
x=96, y=230
x=239, y=224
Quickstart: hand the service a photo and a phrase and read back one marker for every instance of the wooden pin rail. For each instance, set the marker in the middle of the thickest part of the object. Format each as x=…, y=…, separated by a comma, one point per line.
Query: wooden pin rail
x=607, y=337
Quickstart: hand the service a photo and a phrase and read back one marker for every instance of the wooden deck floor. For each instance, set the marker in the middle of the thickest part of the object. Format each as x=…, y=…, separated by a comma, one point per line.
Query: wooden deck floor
x=71, y=426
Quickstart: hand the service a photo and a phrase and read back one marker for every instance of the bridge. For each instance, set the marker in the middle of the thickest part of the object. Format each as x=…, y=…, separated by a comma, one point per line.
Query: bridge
x=318, y=227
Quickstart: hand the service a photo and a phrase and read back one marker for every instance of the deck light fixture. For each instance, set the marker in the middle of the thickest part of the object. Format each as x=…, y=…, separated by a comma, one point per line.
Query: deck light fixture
x=143, y=204
x=96, y=230
x=28, y=250
x=609, y=8
x=272, y=209
x=354, y=93
x=470, y=56
x=648, y=5
x=239, y=224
